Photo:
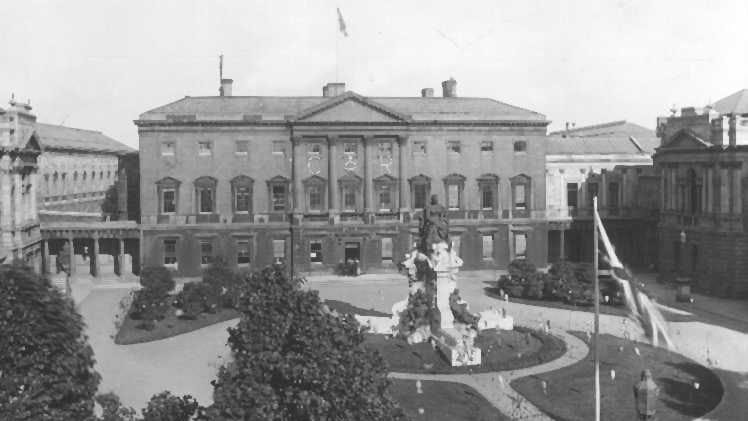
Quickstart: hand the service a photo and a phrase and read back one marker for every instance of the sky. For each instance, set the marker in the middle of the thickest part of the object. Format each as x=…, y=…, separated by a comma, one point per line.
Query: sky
x=99, y=64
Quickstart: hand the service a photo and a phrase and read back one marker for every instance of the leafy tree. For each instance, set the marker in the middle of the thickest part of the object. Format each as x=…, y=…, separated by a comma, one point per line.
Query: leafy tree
x=112, y=408
x=46, y=365
x=295, y=361
x=110, y=204
x=224, y=281
x=167, y=407
x=157, y=279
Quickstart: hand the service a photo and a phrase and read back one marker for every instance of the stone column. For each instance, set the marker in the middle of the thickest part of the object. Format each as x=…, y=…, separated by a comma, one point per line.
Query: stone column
x=45, y=257
x=602, y=194
x=724, y=191
x=6, y=218
x=71, y=251
x=704, y=172
x=298, y=175
x=332, y=176
x=737, y=201
x=709, y=187
x=368, y=209
x=121, y=256
x=18, y=208
x=663, y=183
x=33, y=213
x=562, y=252
x=674, y=188
x=403, y=190
x=95, y=256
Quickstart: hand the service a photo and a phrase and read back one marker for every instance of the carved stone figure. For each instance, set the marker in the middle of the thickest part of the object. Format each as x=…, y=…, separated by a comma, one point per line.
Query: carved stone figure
x=434, y=225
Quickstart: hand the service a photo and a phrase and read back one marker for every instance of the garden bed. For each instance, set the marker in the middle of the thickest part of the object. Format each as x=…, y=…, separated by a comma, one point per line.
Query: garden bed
x=443, y=401
x=604, y=308
x=501, y=350
x=569, y=391
x=170, y=326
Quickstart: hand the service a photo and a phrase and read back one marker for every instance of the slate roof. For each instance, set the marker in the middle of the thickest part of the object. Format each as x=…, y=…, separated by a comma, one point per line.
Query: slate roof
x=68, y=138
x=736, y=103
x=617, y=137
x=280, y=108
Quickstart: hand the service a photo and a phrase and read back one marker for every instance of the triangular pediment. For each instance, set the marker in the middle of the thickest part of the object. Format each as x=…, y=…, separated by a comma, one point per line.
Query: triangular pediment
x=685, y=139
x=350, y=108
x=33, y=144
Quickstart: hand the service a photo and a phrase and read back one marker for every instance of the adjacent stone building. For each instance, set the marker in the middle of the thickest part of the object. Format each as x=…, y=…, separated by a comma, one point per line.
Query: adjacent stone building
x=703, y=160
x=19, y=152
x=319, y=180
x=76, y=169
x=612, y=161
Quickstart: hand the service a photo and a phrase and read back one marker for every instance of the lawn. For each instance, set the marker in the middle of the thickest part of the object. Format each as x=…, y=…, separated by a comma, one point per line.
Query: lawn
x=443, y=401
x=501, y=350
x=604, y=308
x=568, y=392
x=170, y=326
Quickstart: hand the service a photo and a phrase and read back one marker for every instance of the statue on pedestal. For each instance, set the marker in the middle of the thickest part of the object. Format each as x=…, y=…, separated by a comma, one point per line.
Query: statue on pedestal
x=434, y=226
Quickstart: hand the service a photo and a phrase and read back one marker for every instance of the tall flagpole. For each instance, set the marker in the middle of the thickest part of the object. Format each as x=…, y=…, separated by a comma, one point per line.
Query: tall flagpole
x=597, y=310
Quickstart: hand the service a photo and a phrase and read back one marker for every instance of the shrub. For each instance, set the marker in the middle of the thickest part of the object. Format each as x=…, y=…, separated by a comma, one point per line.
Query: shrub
x=521, y=268
x=196, y=298
x=167, y=407
x=418, y=313
x=534, y=286
x=225, y=281
x=112, y=408
x=157, y=279
x=349, y=268
x=46, y=363
x=149, y=306
x=294, y=361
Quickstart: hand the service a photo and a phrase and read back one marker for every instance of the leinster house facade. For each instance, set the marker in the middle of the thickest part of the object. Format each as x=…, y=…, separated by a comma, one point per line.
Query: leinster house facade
x=318, y=180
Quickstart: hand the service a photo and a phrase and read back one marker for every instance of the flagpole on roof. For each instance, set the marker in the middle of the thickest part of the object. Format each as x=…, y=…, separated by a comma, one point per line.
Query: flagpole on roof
x=596, y=278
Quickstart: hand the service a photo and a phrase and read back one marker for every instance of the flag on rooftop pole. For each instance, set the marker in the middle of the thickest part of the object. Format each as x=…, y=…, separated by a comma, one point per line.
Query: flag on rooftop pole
x=341, y=24
x=642, y=309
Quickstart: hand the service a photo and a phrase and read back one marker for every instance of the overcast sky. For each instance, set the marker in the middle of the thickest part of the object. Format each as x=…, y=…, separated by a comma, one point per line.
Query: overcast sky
x=99, y=64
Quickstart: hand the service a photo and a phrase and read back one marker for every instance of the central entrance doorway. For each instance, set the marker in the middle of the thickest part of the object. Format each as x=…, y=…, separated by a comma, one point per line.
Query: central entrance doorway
x=352, y=251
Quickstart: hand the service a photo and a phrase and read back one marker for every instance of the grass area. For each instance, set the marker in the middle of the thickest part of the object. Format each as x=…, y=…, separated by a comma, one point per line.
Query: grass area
x=443, y=401
x=501, y=350
x=568, y=394
x=346, y=308
x=170, y=326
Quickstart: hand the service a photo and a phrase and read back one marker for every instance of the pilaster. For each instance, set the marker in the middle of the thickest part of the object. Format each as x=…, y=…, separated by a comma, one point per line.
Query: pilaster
x=402, y=156
x=332, y=177
x=368, y=185
x=298, y=168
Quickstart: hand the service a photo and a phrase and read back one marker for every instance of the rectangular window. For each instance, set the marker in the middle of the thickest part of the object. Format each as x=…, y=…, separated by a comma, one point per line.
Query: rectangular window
x=242, y=147
x=520, y=245
x=279, y=249
x=205, y=148
x=384, y=151
x=168, y=148
x=419, y=147
x=242, y=199
x=454, y=147
x=571, y=194
x=315, y=148
x=486, y=146
x=168, y=201
x=592, y=191
x=349, y=198
x=385, y=198
x=613, y=195
x=315, y=198
x=205, y=197
x=279, y=147
x=486, y=197
x=351, y=149
x=170, y=252
x=419, y=199
x=206, y=252
x=487, y=247
x=315, y=251
x=453, y=196
x=279, y=197
x=242, y=252
x=386, y=249
x=520, y=201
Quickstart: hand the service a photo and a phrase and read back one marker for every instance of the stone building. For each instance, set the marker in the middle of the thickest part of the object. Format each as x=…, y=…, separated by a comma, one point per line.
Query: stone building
x=19, y=152
x=612, y=161
x=319, y=180
x=76, y=170
x=703, y=160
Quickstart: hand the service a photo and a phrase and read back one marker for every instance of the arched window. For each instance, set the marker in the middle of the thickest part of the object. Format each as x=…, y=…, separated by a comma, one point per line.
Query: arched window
x=205, y=194
x=314, y=187
x=420, y=189
x=454, y=185
x=241, y=192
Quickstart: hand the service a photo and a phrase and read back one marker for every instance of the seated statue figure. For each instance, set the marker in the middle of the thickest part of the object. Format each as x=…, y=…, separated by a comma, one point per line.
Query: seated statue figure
x=434, y=225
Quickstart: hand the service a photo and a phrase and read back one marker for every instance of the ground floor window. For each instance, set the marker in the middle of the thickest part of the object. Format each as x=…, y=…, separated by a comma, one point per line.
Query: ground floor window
x=206, y=252
x=242, y=252
x=279, y=250
x=487, y=246
x=170, y=252
x=520, y=245
x=315, y=251
x=386, y=250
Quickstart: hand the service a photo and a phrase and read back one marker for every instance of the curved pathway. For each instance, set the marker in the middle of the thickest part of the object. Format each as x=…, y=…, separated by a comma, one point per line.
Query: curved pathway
x=495, y=386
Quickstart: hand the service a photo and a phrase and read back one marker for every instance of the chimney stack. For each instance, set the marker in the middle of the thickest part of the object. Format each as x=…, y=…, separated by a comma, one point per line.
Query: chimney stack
x=226, y=87
x=427, y=92
x=449, y=88
x=333, y=89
